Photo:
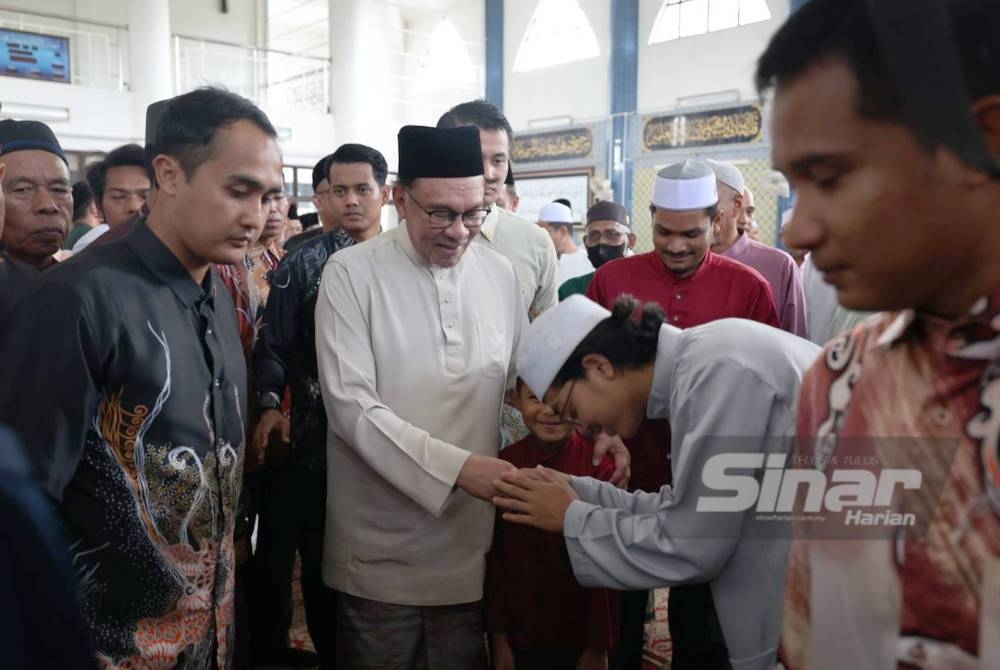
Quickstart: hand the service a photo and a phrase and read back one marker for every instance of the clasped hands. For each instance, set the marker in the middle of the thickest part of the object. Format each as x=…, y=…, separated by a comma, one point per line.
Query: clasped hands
x=539, y=496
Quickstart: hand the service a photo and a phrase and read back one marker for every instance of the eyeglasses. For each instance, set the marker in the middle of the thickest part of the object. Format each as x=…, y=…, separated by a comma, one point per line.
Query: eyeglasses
x=444, y=218
x=274, y=199
x=561, y=413
x=610, y=236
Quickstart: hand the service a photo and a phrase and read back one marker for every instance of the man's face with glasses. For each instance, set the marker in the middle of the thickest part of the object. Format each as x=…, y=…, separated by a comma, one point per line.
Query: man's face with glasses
x=610, y=233
x=442, y=216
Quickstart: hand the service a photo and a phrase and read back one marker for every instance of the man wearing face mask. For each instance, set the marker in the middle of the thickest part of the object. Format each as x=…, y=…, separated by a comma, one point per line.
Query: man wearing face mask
x=608, y=236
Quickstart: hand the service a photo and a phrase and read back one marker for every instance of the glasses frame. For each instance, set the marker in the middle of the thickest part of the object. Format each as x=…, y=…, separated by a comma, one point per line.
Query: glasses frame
x=603, y=237
x=451, y=215
x=561, y=413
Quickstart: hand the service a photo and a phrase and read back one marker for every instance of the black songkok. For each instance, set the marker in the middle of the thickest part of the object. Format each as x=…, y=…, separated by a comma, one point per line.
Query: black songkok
x=605, y=210
x=448, y=153
x=33, y=135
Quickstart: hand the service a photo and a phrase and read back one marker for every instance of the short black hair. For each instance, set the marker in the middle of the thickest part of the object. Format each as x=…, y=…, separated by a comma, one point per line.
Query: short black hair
x=320, y=171
x=83, y=195
x=479, y=113
x=628, y=339
x=293, y=211
x=188, y=126
x=564, y=201
x=127, y=155
x=843, y=29
x=309, y=220
x=360, y=153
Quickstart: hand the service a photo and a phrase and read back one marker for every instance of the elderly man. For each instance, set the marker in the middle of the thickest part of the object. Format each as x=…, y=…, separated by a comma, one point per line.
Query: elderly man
x=887, y=135
x=134, y=396
x=519, y=241
x=39, y=204
x=775, y=265
x=416, y=337
x=608, y=237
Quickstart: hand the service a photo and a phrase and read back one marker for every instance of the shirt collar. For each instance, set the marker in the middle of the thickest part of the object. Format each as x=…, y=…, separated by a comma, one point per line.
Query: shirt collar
x=739, y=248
x=667, y=352
x=155, y=255
x=489, y=227
x=976, y=335
x=404, y=242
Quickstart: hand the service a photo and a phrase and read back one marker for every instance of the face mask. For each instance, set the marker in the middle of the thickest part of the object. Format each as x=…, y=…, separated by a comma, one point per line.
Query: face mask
x=602, y=253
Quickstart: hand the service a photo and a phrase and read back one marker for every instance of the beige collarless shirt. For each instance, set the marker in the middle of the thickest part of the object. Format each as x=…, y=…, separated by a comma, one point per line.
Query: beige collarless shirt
x=529, y=249
x=413, y=364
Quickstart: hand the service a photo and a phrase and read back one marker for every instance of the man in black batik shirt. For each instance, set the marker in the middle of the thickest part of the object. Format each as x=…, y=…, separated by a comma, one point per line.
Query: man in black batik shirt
x=125, y=380
x=293, y=509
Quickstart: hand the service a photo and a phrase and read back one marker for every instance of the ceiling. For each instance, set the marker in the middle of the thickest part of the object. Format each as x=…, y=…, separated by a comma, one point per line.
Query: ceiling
x=301, y=26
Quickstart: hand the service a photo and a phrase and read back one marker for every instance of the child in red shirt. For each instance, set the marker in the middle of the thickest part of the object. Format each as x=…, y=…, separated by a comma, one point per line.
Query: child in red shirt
x=538, y=614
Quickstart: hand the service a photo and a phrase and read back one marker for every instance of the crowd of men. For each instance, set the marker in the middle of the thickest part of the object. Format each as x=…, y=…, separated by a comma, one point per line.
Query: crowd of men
x=199, y=388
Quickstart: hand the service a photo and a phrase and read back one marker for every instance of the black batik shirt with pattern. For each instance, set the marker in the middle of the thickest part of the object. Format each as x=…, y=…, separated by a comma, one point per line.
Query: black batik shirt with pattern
x=285, y=353
x=125, y=380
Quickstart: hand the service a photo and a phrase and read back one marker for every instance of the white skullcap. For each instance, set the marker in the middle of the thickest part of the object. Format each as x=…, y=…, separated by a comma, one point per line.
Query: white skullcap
x=555, y=212
x=687, y=186
x=552, y=337
x=728, y=174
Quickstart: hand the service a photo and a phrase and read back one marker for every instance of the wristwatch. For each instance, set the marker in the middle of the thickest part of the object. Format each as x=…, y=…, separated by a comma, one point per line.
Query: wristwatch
x=268, y=400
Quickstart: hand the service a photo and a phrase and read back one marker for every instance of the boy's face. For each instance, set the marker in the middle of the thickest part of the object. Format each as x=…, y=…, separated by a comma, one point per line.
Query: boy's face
x=543, y=423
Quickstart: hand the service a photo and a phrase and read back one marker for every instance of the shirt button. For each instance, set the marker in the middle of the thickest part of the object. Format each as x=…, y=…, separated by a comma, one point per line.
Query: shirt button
x=217, y=383
x=447, y=300
x=678, y=296
x=208, y=332
x=676, y=319
x=940, y=415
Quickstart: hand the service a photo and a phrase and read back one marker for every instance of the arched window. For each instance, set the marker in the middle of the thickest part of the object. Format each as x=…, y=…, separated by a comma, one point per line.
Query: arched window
x=447, y=63
x=559, y=32
x=684, y=18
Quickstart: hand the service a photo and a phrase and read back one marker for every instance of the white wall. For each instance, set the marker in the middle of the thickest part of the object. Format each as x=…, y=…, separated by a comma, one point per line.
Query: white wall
x=425, y=104
x=105, y=11
x=204, y=19
x=99, y=119
x=701, y=64
x=580, y=90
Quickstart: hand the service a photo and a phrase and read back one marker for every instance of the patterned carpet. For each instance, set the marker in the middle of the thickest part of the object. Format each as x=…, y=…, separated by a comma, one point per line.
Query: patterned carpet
x=658, y=647
x=656, y=656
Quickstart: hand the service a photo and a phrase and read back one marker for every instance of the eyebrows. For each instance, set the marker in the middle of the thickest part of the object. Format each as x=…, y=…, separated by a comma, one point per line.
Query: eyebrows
x=805, y=165
x=252, y=183
x=22, y=180
x=119, y=189
x=360, y=184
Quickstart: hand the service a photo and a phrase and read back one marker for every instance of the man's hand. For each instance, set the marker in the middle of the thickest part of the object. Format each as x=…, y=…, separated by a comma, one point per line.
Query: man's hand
x=532, y=501
x=478, y=474
x=593, y=659
x=605, y=444
x=270, y=421
x=503, y=655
